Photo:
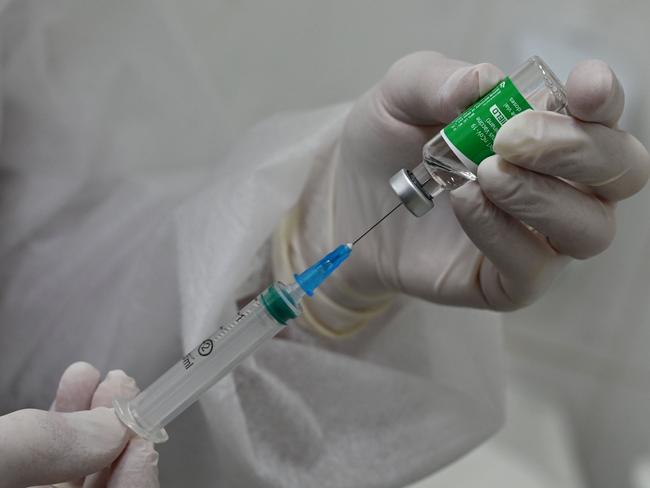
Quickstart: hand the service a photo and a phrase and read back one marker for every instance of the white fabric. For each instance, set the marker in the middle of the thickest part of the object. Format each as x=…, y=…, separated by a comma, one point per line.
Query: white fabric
x=585, y=342
x=127, y=232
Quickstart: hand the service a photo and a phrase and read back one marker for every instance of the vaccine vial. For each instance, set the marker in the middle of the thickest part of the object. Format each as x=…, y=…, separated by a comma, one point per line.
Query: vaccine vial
x=451, y=158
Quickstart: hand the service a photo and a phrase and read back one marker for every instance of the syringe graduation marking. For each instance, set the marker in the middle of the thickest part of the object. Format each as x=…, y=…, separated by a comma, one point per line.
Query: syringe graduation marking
x=189, y=360
x=224, y=330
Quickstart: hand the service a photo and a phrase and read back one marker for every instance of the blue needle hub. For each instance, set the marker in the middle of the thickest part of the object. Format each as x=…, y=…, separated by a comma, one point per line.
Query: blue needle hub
x=312, y=277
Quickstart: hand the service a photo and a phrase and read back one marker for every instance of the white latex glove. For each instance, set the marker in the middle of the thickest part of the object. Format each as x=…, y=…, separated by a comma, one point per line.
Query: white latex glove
x=80, y=437
x=548, y=195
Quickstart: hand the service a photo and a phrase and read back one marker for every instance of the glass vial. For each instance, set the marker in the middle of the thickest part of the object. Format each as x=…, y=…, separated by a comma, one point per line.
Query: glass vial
x=442, y=169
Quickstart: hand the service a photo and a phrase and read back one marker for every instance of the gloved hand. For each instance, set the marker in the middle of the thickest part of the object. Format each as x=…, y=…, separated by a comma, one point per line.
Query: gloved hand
x=80, y=437
x=547, y=196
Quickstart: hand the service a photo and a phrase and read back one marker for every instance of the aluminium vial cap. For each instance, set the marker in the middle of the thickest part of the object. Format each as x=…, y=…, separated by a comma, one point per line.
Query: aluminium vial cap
x=411, y=193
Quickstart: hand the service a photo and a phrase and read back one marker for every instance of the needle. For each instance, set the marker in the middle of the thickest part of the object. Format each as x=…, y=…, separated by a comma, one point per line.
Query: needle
x=376, y=223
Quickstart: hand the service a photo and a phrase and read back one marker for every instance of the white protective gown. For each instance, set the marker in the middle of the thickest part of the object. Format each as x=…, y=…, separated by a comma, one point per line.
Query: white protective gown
x=130, y=226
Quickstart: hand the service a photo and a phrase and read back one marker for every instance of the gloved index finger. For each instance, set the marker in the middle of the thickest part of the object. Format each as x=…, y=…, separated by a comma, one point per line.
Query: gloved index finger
x=594, y=93
x=612, y=163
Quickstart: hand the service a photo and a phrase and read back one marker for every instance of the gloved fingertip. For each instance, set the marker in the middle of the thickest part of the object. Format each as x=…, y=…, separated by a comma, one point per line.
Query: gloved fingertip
x=489, y=171
x=81, y=368
x=590, y=84
x=488, y=76
x=498, y=179
x=465, y=86
x=594, y=93
x=119, y=377
x=467, y=198
x=76, y=387
x=519, y=136
x=116, y=374
x=117, y=384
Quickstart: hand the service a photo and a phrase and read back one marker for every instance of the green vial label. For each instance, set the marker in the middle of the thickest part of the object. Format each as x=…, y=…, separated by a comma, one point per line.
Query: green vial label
x=471, y=135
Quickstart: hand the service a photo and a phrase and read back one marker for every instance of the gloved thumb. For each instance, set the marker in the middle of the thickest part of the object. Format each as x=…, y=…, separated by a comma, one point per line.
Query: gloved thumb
x=39, y=447
x=427, y=88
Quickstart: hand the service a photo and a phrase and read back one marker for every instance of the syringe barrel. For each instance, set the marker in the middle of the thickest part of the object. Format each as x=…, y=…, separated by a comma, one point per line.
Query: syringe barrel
x=168, y=396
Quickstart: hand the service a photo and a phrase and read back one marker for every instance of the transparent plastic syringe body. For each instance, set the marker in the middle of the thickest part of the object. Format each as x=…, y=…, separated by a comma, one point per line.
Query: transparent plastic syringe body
x=441, y=170
x=180, y=386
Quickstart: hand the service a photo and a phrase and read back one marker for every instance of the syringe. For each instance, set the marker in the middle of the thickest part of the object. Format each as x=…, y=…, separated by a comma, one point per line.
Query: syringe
x=149, y=412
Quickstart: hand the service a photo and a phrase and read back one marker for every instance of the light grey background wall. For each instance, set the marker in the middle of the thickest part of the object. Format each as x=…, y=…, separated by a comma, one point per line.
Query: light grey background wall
x=585, y=345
